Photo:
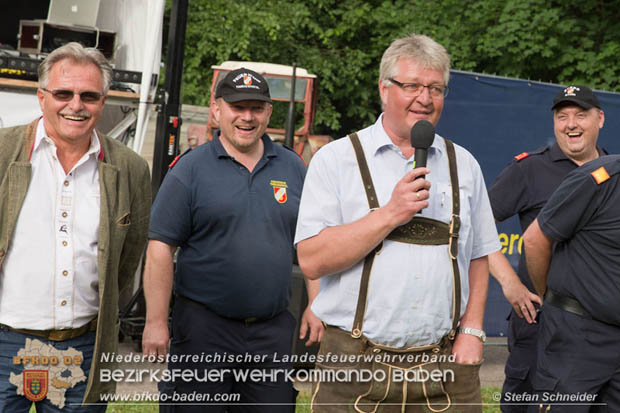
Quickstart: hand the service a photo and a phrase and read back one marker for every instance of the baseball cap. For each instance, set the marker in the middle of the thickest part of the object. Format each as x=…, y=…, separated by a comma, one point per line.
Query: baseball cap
x=579, y=95
x=243, y=84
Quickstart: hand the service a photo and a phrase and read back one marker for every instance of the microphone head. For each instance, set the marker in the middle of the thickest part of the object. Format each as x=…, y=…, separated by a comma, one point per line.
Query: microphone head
x=422, y=134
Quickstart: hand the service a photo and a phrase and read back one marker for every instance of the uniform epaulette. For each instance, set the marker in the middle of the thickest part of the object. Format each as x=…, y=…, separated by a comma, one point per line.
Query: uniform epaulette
x=600, y=175
x=176, y=159
x=609, y=168
x=521, y=156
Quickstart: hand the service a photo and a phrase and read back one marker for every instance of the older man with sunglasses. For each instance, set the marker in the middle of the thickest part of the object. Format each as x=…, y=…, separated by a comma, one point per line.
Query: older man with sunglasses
x=75, y=208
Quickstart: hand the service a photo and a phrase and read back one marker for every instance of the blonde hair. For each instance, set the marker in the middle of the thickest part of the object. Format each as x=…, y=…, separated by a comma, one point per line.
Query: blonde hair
x=419, y=48
x=79, y=54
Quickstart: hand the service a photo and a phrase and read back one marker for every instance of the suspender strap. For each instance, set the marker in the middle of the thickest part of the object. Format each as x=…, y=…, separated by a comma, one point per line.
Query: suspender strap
x=360, y=310
x=453, y=243
x=366, y=178
x=373, y=203
x=451, y=239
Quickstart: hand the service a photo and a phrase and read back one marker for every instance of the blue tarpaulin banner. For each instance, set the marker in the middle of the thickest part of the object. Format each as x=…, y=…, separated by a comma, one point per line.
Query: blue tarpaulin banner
x=496, y=118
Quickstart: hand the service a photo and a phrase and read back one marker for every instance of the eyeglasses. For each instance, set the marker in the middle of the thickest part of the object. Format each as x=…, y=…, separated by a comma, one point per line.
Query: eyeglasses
x=64, y=95
x=415, y=89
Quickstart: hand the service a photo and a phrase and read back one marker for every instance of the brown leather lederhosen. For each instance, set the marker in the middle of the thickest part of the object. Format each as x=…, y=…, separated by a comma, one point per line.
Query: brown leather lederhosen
x=420, y=230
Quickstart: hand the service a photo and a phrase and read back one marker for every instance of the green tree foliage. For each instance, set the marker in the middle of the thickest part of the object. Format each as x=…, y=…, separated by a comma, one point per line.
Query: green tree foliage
x=341, y=41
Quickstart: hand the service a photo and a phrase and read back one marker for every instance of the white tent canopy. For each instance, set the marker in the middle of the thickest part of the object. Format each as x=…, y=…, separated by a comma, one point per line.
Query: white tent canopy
x=138, y=28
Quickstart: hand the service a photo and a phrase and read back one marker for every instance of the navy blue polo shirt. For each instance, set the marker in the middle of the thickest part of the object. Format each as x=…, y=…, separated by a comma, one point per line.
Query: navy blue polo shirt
x=524, y=187
x=583, y=218
x=234, y=228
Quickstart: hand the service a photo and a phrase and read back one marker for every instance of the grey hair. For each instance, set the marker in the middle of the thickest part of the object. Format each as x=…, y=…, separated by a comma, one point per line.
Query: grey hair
x=81, y=55
x=417, y=47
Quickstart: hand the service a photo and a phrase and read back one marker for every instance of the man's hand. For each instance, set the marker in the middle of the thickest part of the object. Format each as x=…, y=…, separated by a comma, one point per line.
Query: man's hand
x=467, y=349
x=311, y=326
x=155, y=339
x=521, y=299
x=408, y=197
x=517, y=294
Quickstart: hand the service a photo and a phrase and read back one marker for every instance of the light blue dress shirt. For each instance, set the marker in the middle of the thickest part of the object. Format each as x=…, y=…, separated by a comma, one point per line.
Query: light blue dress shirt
x=410, y=288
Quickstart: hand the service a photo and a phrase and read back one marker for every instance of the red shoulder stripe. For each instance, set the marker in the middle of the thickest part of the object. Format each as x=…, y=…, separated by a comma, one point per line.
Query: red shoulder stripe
x=521, y=156
x=176, y=159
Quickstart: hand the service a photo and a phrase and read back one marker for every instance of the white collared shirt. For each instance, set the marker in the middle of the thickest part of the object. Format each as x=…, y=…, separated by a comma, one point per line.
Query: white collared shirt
x=410, y=288
x=49, y=278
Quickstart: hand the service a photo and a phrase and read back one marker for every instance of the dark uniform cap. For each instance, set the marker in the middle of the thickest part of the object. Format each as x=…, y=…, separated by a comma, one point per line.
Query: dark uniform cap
x=243, y=84
x=579, y=95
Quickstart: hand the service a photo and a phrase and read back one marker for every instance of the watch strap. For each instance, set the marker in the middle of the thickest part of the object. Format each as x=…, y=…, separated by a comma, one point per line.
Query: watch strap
x=473, y=332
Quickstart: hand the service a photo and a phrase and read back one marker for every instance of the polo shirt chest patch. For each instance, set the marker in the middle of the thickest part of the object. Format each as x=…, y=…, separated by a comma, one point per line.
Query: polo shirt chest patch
x=279, y=190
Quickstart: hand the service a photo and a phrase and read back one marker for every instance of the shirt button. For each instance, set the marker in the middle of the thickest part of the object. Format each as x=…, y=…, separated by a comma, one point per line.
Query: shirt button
x=64, y=302
x=66, y=183
x=64, y=243
x=65, y=273
x=64, y=214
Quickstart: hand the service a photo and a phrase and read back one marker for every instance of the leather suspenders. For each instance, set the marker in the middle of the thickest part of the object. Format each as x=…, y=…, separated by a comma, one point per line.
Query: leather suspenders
x=419, y=230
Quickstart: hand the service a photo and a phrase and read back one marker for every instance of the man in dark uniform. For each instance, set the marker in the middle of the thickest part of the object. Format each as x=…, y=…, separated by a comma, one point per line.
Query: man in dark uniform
x=573, y=257
x=230, y=206
x=523, y=188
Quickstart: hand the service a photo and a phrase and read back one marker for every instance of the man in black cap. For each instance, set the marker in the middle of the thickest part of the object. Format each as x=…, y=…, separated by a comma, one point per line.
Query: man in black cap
x=523, y=188
x=230, y=206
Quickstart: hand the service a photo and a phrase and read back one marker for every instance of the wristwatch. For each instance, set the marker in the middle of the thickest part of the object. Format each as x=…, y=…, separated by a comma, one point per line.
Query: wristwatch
x=473, y=332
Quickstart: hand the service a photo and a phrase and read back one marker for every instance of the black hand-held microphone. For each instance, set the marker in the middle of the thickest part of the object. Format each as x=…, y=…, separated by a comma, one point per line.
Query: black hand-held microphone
x=422, y=137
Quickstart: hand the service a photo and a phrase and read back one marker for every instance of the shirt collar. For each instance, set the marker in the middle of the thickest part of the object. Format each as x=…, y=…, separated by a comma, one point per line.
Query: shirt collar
x=556, y=153
x=93, y=149
x=380, y=140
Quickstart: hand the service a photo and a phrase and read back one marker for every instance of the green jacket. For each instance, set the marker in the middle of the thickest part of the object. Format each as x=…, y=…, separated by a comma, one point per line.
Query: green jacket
x=125, y=186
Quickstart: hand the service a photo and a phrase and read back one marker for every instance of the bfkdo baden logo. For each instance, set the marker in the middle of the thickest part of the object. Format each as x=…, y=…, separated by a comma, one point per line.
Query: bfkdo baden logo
x=35, y=384
x=46, y=372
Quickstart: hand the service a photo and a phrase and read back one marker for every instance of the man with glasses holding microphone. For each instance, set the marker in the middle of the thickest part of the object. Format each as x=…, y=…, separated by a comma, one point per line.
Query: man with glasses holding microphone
x=75, y=206
x=401, y=251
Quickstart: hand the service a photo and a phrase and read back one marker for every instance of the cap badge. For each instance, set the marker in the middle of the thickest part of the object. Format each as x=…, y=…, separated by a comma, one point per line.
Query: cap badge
x=570, y=91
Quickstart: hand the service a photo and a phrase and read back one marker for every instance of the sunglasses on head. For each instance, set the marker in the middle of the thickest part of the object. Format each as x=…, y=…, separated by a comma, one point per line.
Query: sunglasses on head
x=64, y=95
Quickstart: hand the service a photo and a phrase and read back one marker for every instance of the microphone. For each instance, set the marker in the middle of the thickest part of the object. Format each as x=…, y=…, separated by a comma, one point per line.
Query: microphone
x=422, y=137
